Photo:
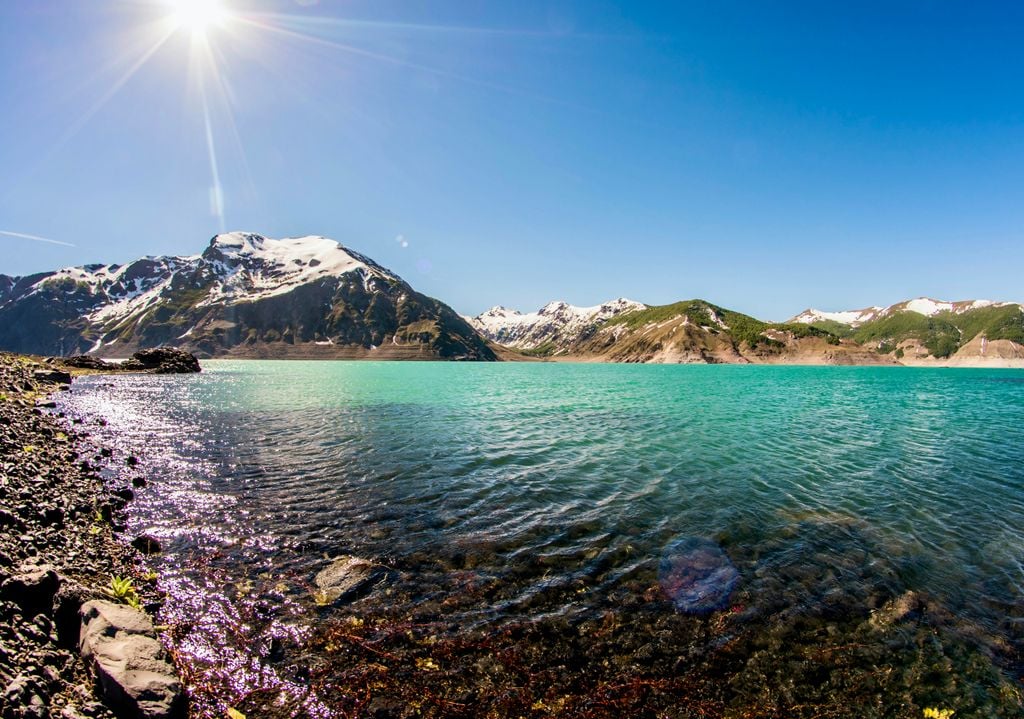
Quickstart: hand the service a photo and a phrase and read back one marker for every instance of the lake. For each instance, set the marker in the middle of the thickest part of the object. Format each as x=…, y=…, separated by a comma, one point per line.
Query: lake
x=524, y=513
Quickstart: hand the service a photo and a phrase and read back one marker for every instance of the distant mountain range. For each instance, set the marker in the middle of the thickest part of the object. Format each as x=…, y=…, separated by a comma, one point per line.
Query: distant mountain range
x=918, y=331
x=250, y=296
x=555, y=325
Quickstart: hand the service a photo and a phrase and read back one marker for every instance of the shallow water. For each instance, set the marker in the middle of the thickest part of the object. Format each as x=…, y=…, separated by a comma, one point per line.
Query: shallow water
x=504, y=495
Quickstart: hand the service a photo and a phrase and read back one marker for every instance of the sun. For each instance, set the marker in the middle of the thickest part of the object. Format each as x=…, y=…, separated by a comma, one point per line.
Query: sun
x=198, y=15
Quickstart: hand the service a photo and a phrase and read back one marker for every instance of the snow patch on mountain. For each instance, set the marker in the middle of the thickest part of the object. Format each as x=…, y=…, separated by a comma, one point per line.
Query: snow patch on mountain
x=929, y=307
x=557, y=322
x=252, y=267
x=847, y=317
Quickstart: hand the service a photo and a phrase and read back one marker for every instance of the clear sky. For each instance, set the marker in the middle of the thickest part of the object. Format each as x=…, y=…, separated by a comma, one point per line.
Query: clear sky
x=766, y=156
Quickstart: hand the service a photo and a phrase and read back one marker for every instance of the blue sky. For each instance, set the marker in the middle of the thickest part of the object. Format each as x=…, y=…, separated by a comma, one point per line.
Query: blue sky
x=764, y=156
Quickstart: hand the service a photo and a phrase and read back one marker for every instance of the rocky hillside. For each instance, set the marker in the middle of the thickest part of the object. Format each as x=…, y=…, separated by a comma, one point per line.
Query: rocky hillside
x=553, y=329
x=927, y=331
x=245, y=295
x=919, y=331
x=696, y=331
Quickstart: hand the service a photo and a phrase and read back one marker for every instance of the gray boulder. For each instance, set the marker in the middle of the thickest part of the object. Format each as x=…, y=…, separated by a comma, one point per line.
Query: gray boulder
x=346, y=578
x=120, y=645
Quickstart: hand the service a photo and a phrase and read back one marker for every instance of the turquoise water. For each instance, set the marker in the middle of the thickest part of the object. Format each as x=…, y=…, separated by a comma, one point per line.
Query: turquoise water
x=557, y=488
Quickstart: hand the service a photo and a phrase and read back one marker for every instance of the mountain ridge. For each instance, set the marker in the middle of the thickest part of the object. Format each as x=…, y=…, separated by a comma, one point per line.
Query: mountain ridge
x=247, y=295
x=918, y=331
x=244, y=295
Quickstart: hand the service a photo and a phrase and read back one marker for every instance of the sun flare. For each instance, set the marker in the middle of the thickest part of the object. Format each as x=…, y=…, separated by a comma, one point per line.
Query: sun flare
x=198, y=15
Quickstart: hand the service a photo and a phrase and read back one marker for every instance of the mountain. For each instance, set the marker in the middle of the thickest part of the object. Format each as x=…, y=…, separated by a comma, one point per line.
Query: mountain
x=920, y=331
x=927, y=331
x=245, y=295
x=550, y=330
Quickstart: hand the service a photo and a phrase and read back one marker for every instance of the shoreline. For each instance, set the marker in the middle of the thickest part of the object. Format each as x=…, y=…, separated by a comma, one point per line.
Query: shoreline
x=580, y=360
x=58, y=548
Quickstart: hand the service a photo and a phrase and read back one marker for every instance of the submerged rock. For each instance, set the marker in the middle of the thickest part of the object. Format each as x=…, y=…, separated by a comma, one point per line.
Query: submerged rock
x=896, y=610
x=121, y=646
x=346, y=578
x=697, y=575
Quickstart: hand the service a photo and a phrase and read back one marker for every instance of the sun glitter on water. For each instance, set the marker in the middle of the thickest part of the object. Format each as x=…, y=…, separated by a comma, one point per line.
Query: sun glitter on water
x=199, y=15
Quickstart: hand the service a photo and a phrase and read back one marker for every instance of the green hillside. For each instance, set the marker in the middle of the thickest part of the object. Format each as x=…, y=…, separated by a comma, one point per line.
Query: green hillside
x=741, y=327
x=942, y=334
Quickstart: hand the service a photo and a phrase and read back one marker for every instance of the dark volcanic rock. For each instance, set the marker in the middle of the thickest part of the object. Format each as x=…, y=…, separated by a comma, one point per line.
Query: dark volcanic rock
x=66, y=610
x=32, y=588
x=55, y=376
x=163, y=360
x=131, y=665
x=147, y=544
x=87, y=362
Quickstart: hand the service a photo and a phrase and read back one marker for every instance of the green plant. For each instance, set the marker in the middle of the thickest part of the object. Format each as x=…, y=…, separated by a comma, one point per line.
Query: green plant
x=123, y=590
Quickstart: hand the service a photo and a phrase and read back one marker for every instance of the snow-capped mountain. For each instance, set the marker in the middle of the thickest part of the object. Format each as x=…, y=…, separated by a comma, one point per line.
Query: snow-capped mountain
x=245, y=294
x=556, y=324
x=921, y=305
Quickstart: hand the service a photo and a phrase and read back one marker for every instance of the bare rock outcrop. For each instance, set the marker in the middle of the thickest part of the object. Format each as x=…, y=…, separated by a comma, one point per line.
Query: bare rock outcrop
x=122, y=649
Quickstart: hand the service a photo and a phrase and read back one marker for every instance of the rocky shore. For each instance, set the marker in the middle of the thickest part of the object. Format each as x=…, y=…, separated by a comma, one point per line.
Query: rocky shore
x=73, y=634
